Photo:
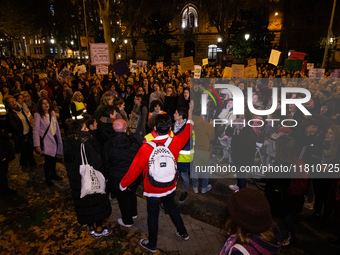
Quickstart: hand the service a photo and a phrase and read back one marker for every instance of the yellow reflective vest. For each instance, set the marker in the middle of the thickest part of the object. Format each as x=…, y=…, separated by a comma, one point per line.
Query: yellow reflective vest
x=186, y=155
x=79, y=106
x=2, y=106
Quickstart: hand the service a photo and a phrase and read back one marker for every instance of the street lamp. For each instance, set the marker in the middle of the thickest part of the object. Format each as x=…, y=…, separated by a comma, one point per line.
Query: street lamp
x=72, y=42
x=52, y=41
x=125, y=41
x=113, y=40
x=276, y=13
x=246, y=36
x=219, y=39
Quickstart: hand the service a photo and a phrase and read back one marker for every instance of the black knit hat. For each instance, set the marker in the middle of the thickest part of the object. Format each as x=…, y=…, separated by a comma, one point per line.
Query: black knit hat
x=250, y=210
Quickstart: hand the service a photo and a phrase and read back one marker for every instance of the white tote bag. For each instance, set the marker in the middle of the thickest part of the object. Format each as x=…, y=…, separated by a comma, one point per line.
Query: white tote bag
x=92, y=181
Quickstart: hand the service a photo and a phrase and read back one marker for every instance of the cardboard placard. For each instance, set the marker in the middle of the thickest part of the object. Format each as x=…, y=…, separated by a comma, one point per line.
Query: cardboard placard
x=335, y=73
x=227, y=72
x=142, y=63
x=250, y=72
x=197, y=73
x=100, y=54
x=252, y=62
x=159, y=66
x=205, y=61
x=80, y=69
x=310, y=65
x=133, y=68
x=187, y=64
x=101, y=69
x=64, y=74
x=316, y=73
x=274, y=57
x=237, y=71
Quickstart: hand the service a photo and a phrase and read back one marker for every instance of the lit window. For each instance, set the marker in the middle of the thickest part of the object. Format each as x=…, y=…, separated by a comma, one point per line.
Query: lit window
x=51, y=50
x=56, y=50
x=212, y=52
x=61, y=50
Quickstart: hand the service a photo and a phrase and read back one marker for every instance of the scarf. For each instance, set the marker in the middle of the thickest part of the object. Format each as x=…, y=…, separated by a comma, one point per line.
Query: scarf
x=178, y=125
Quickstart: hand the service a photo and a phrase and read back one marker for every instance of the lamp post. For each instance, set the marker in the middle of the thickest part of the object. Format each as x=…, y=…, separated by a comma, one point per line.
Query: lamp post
x=329, y=35
x=125, y=41
x=246, y=36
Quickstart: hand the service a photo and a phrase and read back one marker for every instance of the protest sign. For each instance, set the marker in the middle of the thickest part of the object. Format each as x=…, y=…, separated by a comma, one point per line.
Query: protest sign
x=250, y=72
x=310, y=65
x=293, y=64
x=100, y=54
x=131, y=60
x=274, y=57
x=133, y=68
x=237, y=71
x=198, y=70
x=159, y=66
x=79, y=69
x=252, y=62
x=187, y=64
x=83, y=41
x=227, y=72
x=101, y=69
x=142, y=63
x=121, y=67
x=64, y=74
x=297, y=55
x=316, y=73
x=335, y=73
x=179, y=69
x=205, y=61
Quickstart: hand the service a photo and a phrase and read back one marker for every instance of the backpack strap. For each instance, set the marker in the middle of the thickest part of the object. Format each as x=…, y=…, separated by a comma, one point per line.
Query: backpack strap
x=168, y=142
x=240, y=248
x=152, y=144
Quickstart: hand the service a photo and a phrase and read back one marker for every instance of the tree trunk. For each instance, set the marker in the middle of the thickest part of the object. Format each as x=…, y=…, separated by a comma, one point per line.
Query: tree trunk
x=104, y=8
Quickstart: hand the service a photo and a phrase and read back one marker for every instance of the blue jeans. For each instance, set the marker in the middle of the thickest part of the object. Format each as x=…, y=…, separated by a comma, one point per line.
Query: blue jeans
x=153, y=213
x=184, y=169
x=201, y=159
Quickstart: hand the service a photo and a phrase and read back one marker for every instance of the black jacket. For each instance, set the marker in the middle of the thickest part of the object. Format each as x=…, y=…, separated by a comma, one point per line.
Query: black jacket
x=6, y=150
x=119, y=153
x=17, y=129
x=91, y=208
x=243, y=147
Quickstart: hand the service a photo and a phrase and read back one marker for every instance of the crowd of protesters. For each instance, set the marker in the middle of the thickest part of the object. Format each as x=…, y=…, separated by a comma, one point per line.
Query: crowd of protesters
x=114, y=115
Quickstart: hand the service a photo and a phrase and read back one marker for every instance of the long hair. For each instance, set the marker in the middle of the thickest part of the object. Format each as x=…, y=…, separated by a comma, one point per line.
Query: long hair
x=77, y=93
x=39, y=107
x=333, y=149
x=284, y=149
x=242, y=236
x=105, y=99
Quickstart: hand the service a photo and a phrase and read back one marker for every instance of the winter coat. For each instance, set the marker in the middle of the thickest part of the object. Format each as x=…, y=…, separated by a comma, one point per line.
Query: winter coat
x=204, y=132
x=17, y=129
x=52, y=144
x=243, y=147
x=119, y=153
x=91, y=208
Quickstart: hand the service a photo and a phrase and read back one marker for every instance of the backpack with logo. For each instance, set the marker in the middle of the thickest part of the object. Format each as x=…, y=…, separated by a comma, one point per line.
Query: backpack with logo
x=162, y=165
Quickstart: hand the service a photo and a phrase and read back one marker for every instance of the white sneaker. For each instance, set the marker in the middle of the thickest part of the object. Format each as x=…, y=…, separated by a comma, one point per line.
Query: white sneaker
x=234, y=187
x=195, y=190
x=208, y=188
x=120, y=222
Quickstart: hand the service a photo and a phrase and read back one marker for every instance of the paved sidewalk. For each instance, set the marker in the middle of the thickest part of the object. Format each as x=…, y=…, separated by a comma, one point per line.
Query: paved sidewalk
x=204, y=239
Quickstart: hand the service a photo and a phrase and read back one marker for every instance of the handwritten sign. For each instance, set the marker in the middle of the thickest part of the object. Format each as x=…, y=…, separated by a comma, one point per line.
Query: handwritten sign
x=133, y=68
x=252, y=62
x=237, y=71
x=100, y=54
x=79, y=69
x=274, y=57
x=197, y=73
x=335, y=73
x=101, y=69
x=250, y=72
x=316, y=73
x=159, y=66
x=310, y=65
x=205, y=61
x=142, y=63
x=227, y=72
x=187, y=64
x=64, y=74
